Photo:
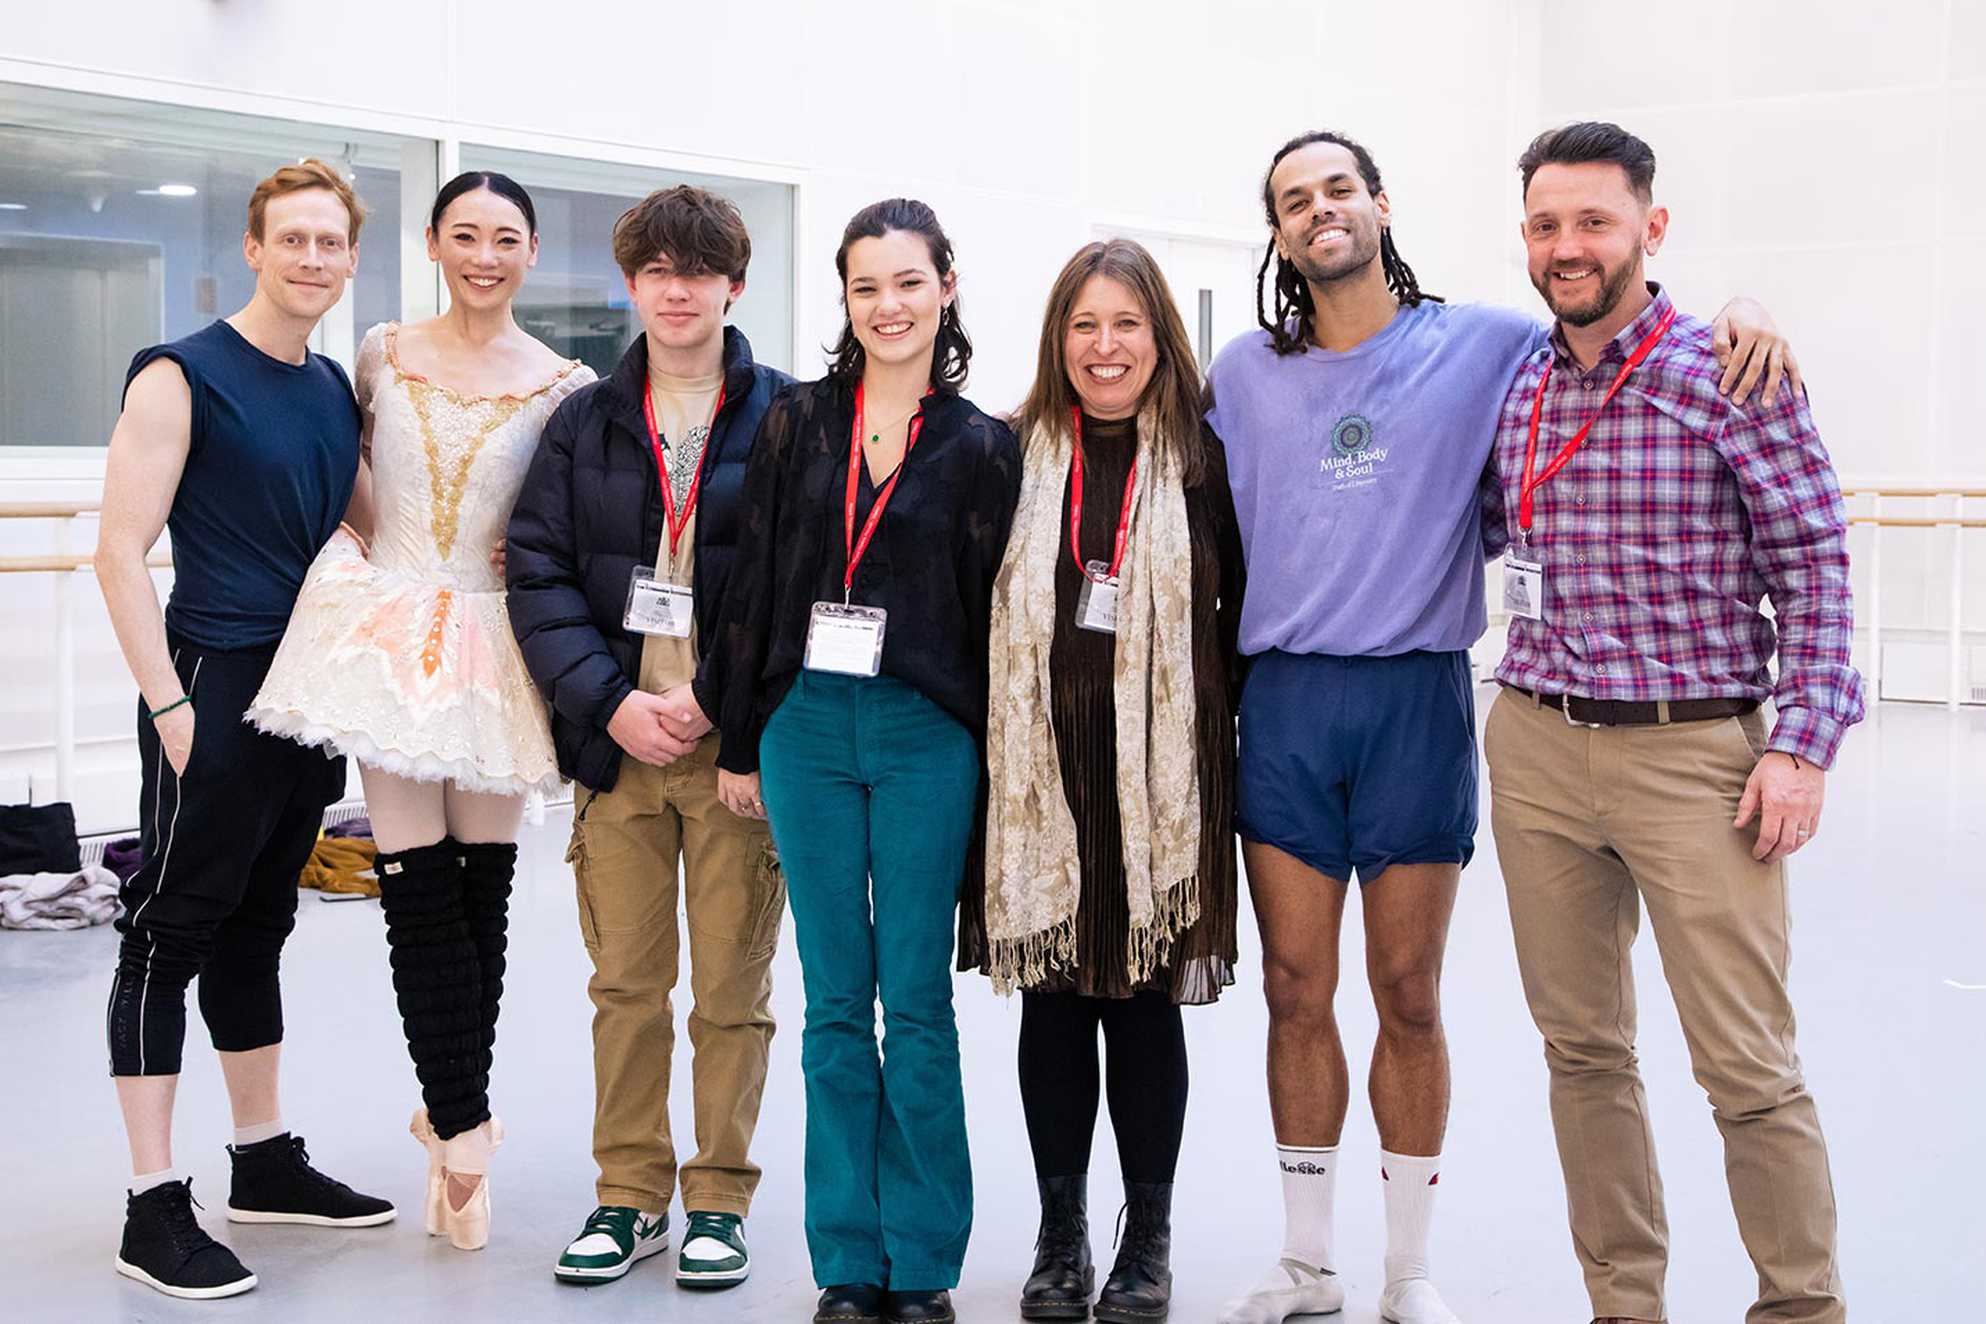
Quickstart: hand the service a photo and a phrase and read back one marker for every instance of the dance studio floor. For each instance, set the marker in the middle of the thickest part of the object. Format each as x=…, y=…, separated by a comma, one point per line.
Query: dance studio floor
x=1890, y=980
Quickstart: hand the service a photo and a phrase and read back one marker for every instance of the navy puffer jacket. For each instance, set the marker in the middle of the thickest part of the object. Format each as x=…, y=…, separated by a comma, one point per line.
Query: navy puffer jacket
x=589, y=512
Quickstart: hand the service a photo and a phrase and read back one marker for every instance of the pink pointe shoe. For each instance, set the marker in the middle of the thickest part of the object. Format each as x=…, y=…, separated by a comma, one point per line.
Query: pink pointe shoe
x=437, y=1183
x=468, y=1155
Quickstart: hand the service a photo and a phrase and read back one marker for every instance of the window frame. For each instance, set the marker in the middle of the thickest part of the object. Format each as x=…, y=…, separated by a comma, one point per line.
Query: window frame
x=433, y=156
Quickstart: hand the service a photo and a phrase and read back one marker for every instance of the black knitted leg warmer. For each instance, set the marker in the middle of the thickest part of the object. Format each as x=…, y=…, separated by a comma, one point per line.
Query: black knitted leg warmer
x=438, y=979
x=487, y=870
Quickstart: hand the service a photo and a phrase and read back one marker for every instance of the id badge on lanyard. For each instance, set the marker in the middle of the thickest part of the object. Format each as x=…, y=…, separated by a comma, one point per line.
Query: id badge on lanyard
x=1096, y=600
x=843, y=637
x=1523, y=587
x=1524, y=578
x=656, y=606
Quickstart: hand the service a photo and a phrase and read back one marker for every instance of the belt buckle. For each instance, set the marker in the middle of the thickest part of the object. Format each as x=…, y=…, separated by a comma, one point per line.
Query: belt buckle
x=1565, y=711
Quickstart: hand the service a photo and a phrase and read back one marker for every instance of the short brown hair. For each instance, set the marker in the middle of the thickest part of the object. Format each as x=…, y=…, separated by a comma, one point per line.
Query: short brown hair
x=308, y=173
x=700, y=232
x=1593, y=141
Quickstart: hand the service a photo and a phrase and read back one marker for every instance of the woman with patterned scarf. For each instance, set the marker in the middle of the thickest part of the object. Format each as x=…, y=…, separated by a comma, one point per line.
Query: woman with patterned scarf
x=1108, y=896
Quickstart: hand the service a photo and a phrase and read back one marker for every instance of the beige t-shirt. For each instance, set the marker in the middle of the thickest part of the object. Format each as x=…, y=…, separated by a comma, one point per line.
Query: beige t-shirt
x=682, y=414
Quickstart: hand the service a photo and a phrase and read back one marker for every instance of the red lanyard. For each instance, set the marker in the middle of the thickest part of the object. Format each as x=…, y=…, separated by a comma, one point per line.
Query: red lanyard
x=1529, y=486
x=855, y=548
x=1076, y=505
x=676, y=525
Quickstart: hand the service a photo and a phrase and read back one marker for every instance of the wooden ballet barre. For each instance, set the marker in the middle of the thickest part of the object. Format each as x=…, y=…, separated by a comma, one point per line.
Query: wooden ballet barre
x=1915, y=490
x=31, y=565
x=47, y=509
x=1913, y=522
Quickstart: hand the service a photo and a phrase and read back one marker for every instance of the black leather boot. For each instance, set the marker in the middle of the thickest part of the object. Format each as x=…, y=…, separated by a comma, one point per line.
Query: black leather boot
x=1139, y=1289
x=1063, y=1278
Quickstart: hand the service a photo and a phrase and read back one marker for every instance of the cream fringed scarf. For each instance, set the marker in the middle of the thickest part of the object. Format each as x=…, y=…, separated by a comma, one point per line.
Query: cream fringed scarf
x=1033, y=879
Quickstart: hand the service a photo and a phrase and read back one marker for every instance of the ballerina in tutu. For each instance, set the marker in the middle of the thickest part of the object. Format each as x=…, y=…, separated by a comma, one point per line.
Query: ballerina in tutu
x=400, y=654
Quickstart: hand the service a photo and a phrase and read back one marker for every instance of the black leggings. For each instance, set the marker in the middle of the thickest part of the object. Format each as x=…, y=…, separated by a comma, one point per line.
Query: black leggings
x=216, y=895
x=1146, y=1075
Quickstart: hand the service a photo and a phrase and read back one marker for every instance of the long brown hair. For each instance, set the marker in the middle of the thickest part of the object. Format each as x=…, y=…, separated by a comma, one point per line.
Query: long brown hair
x=1173, y=394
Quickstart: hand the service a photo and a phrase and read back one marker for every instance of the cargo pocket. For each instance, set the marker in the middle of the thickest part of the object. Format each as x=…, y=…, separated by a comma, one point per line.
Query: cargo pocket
x=769, y=901
x=575, y=855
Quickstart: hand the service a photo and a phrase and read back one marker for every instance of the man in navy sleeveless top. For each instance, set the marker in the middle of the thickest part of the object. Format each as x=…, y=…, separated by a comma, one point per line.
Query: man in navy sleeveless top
x=246, y=445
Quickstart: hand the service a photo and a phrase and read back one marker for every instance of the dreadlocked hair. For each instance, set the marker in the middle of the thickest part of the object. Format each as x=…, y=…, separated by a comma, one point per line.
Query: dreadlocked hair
x=1292, y=320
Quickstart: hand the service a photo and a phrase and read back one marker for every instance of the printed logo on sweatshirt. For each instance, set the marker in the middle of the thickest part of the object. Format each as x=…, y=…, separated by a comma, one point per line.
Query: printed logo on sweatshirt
x=1353, y=460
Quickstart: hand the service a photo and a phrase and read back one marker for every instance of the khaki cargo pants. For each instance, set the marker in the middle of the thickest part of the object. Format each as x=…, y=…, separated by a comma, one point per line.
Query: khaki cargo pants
x=625, y=846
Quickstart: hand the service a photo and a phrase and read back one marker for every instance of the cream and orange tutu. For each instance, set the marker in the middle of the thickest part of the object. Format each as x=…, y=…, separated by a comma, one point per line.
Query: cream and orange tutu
x=406, y=673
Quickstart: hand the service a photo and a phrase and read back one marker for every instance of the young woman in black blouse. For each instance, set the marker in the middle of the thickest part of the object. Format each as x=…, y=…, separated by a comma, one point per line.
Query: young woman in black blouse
x=849, y=679
x=1108, y=896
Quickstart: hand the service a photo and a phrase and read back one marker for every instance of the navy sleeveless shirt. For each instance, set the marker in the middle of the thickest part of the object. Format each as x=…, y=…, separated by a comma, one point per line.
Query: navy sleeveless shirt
x=275, y=451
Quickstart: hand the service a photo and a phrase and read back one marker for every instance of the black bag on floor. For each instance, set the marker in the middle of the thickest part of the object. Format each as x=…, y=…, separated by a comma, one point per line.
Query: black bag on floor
x=39, y=839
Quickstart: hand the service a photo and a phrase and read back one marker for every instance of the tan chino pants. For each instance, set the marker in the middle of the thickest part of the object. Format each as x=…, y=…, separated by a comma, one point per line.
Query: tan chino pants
x=1591, y=825
x=625, y=846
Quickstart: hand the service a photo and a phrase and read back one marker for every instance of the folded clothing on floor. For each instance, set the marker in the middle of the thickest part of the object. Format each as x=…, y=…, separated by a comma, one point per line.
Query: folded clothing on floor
x=351, y=827
x=335, y=865
x=58, y=900
x=39, y=839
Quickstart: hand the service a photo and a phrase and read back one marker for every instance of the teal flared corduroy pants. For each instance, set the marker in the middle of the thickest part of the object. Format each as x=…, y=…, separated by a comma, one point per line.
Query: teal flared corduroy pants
x=871, y=789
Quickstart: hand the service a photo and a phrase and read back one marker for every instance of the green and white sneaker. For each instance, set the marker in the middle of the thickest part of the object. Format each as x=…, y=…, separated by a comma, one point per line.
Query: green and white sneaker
x=714, y=1253
x=614, y=1237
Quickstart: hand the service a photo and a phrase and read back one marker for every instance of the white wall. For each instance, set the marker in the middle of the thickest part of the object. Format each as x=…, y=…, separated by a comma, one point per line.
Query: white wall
x=1827, y=160
x=1025, y=124
x=1815, y=156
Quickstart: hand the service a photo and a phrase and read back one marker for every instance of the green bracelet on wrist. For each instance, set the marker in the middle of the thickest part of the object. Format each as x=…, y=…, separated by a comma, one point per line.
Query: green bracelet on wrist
x=180, y=702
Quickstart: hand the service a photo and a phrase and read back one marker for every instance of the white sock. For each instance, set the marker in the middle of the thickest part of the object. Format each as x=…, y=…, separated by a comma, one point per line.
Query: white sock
x=255, y=1135
x=1410, y=1187
x=1310, y=1187
x=145, y=1181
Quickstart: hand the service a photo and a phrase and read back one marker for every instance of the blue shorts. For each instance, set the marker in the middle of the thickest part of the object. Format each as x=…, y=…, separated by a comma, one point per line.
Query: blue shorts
x=1359, y=763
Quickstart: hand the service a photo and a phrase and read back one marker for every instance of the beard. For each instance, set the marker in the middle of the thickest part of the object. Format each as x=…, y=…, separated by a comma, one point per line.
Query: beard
x=1613, y=284
x=1361, y=247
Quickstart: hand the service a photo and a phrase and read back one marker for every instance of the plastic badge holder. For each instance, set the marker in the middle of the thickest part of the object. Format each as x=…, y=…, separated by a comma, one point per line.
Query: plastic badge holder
x=1096, y=602
x=656, y=606
x=845, y=639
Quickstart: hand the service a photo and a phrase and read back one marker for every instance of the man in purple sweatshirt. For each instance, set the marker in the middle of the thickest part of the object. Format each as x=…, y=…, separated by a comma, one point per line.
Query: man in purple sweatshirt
x=1358, y=426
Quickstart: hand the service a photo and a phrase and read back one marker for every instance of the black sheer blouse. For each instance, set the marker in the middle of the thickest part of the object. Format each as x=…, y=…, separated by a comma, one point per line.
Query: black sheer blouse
x=930, y=565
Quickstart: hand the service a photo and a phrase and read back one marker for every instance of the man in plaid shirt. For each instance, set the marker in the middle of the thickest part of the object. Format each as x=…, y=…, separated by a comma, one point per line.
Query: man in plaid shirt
x=1643, y=518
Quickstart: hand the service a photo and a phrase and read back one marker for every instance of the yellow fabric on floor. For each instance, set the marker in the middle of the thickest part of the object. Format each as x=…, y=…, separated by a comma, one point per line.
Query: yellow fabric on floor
x=335, y=864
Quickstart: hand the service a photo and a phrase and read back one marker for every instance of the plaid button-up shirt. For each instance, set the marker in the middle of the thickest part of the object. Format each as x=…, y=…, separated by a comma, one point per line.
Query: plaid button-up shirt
x=1662, y=535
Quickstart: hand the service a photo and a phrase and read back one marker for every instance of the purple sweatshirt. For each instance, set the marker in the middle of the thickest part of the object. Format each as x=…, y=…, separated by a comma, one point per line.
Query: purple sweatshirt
x=1356, y=479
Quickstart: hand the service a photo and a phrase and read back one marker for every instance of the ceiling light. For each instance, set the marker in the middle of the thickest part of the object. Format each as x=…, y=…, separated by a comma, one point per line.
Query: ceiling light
x=177, y=190
x=13, y=206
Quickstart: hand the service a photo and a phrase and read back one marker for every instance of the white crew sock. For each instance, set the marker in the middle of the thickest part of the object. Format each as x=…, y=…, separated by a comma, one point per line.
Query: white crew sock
x=1310, y=1187
x=255, y=1135
x=145, y=1181
x=1410, y=1187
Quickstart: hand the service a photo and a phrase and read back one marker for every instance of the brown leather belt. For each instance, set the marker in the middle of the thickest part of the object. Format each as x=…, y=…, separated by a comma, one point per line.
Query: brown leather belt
x=1623, y=712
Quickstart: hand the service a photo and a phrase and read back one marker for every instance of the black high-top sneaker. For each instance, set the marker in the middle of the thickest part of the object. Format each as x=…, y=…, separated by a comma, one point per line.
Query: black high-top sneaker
x=165, y=1247
x=274, y=1183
